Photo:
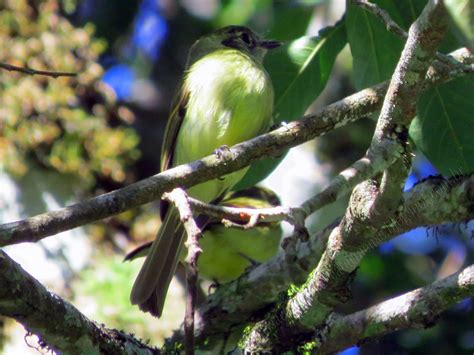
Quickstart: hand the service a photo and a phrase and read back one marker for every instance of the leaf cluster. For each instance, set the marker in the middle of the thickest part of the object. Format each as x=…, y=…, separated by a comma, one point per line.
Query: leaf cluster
x=70, y=125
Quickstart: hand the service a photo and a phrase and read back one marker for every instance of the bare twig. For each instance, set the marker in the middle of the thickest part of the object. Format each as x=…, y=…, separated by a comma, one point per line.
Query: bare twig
x=391, y=25
x=30, y=71
x=252, y=222
x=179, y=199
x=344, y=182
x=242, y=214
x=229, y=216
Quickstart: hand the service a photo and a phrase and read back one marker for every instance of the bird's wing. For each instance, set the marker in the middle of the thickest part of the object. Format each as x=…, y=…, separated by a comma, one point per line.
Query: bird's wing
x=175, y=120
x=173, y=125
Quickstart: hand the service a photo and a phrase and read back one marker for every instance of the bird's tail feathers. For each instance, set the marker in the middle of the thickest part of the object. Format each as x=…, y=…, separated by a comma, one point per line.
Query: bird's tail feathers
x=151, y=285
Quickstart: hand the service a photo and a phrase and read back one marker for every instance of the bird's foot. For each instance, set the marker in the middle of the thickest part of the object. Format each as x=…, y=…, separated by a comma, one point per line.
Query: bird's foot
x=223, y=152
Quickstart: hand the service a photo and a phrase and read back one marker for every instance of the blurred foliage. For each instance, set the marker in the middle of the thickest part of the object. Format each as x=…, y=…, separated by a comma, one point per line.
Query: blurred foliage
x=70, y=125
x=238, y=12
x=102, y=283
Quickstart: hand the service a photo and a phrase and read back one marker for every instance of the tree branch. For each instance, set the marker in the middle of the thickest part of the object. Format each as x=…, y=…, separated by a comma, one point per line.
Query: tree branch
x=58, y=323
x=420, y=308
x=242, y=214
x=179, y=199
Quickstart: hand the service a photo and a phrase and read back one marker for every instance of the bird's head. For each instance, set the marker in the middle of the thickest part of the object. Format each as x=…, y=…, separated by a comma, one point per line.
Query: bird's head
x=244, y=39
x=237, y=37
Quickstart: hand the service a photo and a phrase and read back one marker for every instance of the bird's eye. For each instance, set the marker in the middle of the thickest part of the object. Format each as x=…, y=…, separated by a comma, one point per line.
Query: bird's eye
x=246, y=38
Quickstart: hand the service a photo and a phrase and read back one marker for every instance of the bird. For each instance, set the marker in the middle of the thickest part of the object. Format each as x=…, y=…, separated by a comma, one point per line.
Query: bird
x=229, y=252
x=226, y=97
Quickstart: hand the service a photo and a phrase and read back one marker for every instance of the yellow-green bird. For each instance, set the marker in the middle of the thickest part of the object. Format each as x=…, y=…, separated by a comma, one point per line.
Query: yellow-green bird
x=226, y=97
x=228, y=252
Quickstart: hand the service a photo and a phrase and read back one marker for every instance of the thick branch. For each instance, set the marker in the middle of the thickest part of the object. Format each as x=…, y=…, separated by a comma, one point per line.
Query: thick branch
x=58, y=323
x=420, y=308
x=338, y=114
x=328, y=285
x=377, y=159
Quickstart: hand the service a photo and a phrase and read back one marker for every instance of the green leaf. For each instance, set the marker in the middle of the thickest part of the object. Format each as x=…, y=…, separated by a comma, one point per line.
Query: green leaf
x=289, y=22
x=444, y=126
x=299, y=71
x=376, y=51
x=238, y=12
x=404, y=12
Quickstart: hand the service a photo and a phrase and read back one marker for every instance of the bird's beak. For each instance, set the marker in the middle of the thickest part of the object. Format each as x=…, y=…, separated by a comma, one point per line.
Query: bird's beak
x=270, y=44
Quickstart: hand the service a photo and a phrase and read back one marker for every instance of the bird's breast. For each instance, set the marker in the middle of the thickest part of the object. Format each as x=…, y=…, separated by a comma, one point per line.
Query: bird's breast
x=230, y=101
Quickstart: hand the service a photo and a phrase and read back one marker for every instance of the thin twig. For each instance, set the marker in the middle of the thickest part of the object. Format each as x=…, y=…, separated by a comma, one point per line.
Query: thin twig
x=252, y=222
x=241, y=214
x=391, y=25
x=180, y=200
x=344, y=182
x=30, y=71
x=230, y=216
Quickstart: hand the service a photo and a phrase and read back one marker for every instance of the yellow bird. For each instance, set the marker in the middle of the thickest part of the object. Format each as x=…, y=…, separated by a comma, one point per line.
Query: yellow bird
x=226, y=97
